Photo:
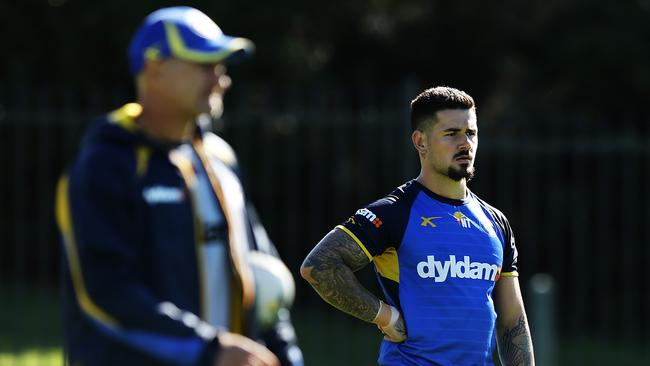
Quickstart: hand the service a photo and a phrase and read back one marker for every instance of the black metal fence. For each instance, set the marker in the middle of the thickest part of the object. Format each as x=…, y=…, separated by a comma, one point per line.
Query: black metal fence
x=575, y=190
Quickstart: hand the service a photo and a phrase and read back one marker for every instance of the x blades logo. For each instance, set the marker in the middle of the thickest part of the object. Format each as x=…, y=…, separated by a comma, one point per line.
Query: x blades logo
x=426, y=221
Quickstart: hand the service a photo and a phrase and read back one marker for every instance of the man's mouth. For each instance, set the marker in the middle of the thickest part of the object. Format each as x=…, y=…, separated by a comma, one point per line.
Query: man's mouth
x=463, y=158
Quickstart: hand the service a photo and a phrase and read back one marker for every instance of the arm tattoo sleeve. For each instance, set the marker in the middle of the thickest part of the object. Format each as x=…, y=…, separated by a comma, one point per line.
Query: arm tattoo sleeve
x=330, y=270
x=515, y=346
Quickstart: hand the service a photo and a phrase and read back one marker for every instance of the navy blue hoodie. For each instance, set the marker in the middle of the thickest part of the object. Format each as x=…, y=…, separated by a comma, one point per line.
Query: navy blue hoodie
x=132, y=292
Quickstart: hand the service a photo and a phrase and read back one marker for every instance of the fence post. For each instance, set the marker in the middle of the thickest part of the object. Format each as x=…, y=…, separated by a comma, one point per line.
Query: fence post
x=543, y=319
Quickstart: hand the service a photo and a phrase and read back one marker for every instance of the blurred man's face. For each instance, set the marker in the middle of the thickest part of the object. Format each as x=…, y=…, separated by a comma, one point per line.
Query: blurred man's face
x=452, y=143
x=194, y=88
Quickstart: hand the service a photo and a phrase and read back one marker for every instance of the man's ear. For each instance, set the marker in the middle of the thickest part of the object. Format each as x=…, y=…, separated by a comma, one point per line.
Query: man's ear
x=419, y=139
x=149, y=77
x=151, y=68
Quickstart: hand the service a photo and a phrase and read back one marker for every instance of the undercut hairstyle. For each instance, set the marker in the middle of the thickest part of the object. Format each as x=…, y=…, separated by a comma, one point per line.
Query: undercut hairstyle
x=430, y=101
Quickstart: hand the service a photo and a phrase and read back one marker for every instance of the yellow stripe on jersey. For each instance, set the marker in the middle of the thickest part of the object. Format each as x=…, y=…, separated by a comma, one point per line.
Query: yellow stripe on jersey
x=126, y=116
x=354, y=237
x=388, y=265
x=64, y=220
x=509, y=274
x=142, y=155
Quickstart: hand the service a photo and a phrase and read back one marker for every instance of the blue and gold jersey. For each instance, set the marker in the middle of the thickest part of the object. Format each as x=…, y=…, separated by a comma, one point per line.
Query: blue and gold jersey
x=437, y=261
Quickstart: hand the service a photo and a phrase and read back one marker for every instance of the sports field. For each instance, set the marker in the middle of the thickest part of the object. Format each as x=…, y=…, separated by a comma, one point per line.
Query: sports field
x=30, y=336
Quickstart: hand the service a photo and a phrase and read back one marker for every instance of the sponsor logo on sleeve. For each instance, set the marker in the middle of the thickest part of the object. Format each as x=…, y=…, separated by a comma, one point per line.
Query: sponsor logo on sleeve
x=364, y=212
x=440, y=270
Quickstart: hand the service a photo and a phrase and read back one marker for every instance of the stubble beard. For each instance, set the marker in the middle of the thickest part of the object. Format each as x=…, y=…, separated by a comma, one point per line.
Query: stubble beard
x=464, y=171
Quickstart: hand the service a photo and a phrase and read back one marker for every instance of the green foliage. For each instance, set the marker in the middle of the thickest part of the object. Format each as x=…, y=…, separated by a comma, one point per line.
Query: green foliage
x=578, y=54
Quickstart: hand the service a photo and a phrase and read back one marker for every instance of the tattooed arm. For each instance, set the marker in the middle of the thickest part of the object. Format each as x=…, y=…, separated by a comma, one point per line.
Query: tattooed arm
x=330, y=268
x=513, y=334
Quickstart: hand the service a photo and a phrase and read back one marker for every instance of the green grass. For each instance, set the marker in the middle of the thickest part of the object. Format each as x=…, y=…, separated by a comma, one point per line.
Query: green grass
x=327, y=337
x=30, y=328
x=30, y=335
x=591, y=352
x=29, y=320
x=33, y=357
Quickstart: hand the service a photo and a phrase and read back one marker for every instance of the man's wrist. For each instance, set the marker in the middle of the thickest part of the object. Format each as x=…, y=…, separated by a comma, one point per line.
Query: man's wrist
x=386, y=315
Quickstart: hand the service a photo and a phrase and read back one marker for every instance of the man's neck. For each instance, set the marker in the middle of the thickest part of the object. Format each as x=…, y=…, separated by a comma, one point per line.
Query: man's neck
x=442, y=185
x=165, y=125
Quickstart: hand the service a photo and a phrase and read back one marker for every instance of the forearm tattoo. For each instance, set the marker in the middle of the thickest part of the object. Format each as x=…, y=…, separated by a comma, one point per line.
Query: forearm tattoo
x=331, y=266
x=515, y=346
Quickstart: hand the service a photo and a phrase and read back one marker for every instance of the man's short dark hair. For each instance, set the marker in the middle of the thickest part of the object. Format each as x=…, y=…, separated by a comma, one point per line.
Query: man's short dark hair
x=430, y=101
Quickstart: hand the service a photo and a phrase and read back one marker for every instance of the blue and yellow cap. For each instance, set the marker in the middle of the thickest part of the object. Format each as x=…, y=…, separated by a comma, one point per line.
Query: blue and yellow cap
x=185, y=33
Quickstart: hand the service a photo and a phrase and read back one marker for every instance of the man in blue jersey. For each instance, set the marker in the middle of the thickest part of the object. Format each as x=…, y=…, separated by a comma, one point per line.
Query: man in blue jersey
x=445, y=259
x=159, y=242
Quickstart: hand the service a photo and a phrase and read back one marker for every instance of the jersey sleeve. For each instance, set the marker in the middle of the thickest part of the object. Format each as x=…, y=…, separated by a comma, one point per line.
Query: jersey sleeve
x=509, y=266
x=378, y=226
x=510, y=254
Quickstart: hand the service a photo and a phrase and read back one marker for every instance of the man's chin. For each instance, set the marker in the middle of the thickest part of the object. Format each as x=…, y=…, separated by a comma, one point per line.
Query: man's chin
x=463, y=172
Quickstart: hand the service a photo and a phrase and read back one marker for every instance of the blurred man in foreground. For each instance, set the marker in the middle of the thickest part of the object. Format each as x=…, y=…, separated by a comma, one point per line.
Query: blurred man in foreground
x=439, y=253
x=154, y=221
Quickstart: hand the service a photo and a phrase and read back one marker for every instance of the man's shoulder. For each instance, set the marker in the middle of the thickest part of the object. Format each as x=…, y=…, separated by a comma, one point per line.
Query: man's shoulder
x=381, y=223
x=105, y=157
x=113, y=139
x=106, y=154
x=402, y=195
x=396, y=202
x=493, y=210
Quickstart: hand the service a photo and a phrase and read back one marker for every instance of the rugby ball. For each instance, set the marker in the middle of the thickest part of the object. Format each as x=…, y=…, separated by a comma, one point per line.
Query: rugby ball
x=274, y=288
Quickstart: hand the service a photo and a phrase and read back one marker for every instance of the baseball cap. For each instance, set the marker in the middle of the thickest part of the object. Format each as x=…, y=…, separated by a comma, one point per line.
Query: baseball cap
x=187, y=34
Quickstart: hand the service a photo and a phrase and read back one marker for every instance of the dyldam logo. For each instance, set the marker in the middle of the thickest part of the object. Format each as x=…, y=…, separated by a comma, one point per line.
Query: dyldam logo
x=440, y=271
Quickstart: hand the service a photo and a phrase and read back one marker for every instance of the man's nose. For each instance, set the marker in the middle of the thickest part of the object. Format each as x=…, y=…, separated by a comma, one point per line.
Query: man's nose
x=464, y=143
